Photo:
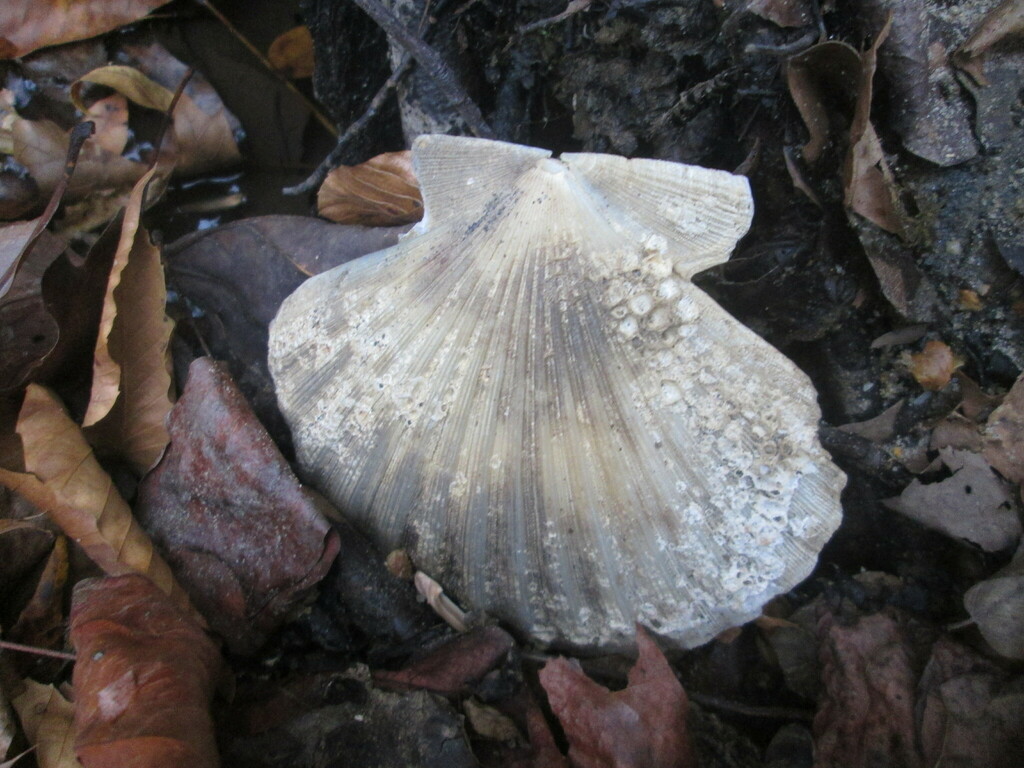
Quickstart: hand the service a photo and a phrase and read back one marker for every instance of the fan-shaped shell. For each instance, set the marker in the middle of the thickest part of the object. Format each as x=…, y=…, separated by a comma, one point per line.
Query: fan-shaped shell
x=529, y=394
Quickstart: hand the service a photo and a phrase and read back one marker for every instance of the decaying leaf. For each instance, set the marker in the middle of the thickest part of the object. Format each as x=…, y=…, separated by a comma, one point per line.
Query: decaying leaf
x=829, y=67
x=26, y=25
x=785, y=13
x=292, y=53
x=934, y=365
x=63, y=478
x=246, y=539
x=1004, y=435
x=1004, y=20
x=41, y=622
x=970, y=712
x=972, y=504
x=865, y=715
x=382, y=192
x=46, y=717
x=997, y=607
x=451, y=668
x=642, y=725
x=131, y=389
x=144, y=678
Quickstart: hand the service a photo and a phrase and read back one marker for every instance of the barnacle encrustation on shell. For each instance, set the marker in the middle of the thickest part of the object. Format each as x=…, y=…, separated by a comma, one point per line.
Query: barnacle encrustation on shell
x=529, y=394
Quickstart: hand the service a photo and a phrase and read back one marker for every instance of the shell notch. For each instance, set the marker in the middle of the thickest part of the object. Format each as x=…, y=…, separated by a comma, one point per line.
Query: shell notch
x=530, y=395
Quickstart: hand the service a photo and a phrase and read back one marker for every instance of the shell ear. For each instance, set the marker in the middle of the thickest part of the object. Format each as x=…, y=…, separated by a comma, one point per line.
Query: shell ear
x=459, y=175
x=702, y=213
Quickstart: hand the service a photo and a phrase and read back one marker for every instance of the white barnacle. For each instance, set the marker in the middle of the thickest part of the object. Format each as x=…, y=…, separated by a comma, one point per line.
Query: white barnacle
x=595, y=441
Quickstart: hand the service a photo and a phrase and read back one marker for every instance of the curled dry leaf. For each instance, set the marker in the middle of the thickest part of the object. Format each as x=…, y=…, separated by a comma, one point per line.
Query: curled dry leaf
x=997, y=607
x=934, y=366
x=63, y=478
x=292, y=53
x=144, y=678
x=46, y=717
x=642, y=725
x=131, y=385
x=245, y=537
x=972, y=504
x=865, y=715
x=382, y=192
x=1004, y=20
x=26, y=25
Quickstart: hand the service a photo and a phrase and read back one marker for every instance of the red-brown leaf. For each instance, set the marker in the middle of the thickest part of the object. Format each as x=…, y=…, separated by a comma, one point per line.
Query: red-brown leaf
x=144, y=678
x=246, y=539
x=642, y=726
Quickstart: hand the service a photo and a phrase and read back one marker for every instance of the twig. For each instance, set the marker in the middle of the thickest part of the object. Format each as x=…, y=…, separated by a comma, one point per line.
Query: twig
x=320, y=117
x=7, y=645
x=751, y=710
x=693, y=97
x=573, y=7
x=432, y=64
x=316, y=178
x=442, y=604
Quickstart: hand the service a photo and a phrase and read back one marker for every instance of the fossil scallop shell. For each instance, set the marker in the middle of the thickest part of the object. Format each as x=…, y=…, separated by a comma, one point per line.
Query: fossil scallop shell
x=530, y=395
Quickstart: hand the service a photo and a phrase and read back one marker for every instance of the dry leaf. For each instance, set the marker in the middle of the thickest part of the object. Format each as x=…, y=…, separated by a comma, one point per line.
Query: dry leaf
x=110, y=116
x=869, y=188
x=879, y=429
x=26, y=25
x=63, y=478
x=1004, y=435
x=969, y=711
x=292, y=53
x=489, y=722
x=1003, y=21
x=131, y=389
x=972, y=504
x=865, y=715
x=451, y=668
x=127, y=81
x=144, y=678
x=934, y=365
x=246, y=539
x=46, y=718
x=784, y=13
x=642, y=726
x=382, y=192
x=997, y=607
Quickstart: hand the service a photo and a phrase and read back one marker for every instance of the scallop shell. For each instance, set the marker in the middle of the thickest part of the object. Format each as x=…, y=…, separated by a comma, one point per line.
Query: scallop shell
x=529, y=394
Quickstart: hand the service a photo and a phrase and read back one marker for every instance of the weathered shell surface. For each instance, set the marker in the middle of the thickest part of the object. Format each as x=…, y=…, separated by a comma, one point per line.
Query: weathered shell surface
x=529, y=394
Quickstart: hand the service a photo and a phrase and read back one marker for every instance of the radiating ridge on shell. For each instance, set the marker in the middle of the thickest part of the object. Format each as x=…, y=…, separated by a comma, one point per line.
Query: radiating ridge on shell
x=530, y=395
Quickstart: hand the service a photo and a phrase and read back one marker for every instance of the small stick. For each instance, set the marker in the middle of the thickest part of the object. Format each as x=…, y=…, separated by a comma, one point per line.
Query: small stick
x=432, y=64
x=571, y=9
x=7, y=645
x=320, y=117
x=316, y=178
x=751, y=710
x=442, y=604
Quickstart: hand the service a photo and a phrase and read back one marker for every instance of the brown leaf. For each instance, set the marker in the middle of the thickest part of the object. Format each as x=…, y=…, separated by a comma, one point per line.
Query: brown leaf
x=292, y=53
x=382, y=192
x=827, y=68
x=865, y=715
x=1005, y=20
x=869, y=187
x=41, y=622
x=131, y=389
x=63, y=478
x=110, y=116
x=46, y=717
x=144, y=678
x=997, y=607
x=972, y=504
x=642, y=726
x=934, y=365
x=1004, y=435
x=451, y=668
x=969, y=711
x=879, y=429
x=785, y=13
x=26, y=25
x=246, y=539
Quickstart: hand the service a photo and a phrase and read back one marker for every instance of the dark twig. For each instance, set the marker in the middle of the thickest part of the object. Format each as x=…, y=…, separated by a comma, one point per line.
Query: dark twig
x=316, y=178
x=432, y=64
x=692, y=98
x=9, y=646
x=751, y=710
